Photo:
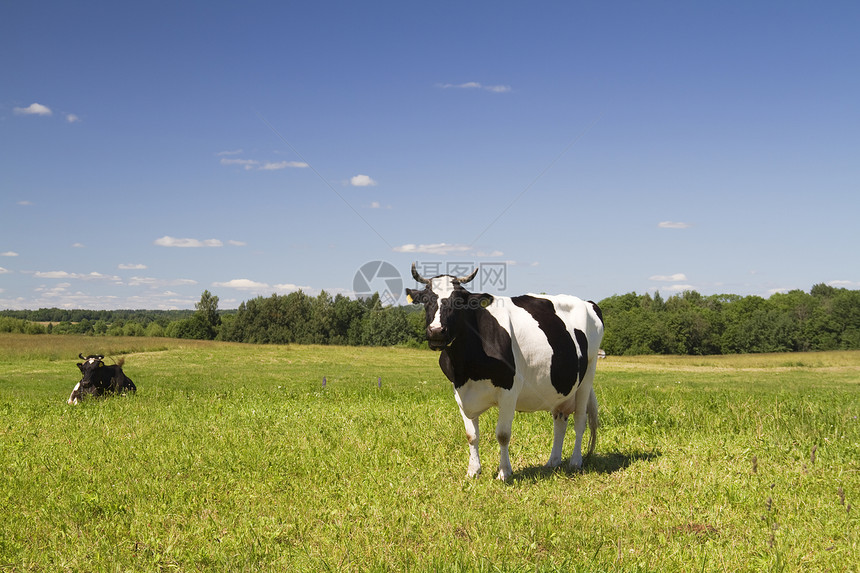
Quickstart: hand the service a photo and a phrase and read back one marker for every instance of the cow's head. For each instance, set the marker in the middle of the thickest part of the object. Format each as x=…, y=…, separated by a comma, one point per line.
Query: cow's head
x=446, y=305
x=91, y=382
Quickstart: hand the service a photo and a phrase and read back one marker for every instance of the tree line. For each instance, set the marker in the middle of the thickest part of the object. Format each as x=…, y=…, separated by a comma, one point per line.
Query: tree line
x=296, y=318
x=826, y=318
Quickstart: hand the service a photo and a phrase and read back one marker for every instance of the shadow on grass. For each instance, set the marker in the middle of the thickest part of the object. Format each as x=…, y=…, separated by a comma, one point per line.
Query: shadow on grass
x=607, y=463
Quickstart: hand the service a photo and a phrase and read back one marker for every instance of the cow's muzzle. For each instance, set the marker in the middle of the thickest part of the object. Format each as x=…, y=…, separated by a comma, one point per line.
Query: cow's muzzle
x=438, y=338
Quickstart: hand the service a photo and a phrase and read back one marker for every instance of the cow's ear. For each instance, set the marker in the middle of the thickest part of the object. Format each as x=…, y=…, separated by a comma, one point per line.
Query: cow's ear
x=480, y=300
x=412, y=296
x=80, y=367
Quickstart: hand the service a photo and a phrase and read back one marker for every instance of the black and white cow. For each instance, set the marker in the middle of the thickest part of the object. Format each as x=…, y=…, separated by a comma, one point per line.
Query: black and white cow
x=525, y=353
x=99, y=378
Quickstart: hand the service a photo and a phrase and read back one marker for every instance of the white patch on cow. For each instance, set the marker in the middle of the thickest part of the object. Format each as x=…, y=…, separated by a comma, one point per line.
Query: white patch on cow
x=72, y=399
x=442, y=287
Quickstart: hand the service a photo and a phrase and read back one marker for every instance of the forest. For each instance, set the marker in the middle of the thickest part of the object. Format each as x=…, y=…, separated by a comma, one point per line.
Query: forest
x=826, y=318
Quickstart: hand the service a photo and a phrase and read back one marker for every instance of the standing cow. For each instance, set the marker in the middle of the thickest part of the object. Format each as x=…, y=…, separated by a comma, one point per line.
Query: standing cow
x=99, y=378
x=524, y=353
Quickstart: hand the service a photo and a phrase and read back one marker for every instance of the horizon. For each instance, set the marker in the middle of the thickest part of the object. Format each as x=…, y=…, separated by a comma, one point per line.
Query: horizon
x=402, y=303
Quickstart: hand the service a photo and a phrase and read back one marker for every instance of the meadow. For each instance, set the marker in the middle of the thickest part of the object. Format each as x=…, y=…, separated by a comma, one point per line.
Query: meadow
x=235, y=457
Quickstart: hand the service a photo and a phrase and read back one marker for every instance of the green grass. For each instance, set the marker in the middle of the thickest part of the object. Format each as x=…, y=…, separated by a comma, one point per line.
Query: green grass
x=235, y=458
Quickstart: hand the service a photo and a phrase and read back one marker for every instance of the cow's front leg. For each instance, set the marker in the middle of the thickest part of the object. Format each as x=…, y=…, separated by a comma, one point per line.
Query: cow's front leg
x=559, y=429
x=507, y=408
x=472, y=435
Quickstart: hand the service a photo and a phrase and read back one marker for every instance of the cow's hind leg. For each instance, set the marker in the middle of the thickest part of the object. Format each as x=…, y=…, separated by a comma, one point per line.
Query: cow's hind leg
x=472, y=435
x=584, y=395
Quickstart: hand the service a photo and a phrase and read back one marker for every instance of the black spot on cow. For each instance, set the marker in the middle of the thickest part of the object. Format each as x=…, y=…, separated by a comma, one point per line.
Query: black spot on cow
x=567, y=365
x=481, y=350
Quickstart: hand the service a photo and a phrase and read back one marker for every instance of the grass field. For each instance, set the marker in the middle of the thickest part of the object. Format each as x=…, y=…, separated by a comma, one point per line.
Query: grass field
x=236, y=458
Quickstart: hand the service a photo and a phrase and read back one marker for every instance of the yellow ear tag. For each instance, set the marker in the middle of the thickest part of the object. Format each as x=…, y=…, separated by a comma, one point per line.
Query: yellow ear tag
x=485, y=302
x=409, y=298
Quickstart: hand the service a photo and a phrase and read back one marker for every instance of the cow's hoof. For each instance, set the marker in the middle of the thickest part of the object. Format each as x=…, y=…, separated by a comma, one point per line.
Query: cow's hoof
x=553, y=463
x=473, y=473
x=504, y=474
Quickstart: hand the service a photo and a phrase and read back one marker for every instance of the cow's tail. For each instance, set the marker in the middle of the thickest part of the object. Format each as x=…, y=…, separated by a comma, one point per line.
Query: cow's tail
x=593, y=421
x=120, y=362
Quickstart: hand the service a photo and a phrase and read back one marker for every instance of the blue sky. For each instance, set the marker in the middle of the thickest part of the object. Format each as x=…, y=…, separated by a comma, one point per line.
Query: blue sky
x=150, y=151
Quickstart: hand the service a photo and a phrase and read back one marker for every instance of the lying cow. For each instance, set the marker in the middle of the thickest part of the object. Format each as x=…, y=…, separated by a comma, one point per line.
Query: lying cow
x=524, y=353
x=99, y=378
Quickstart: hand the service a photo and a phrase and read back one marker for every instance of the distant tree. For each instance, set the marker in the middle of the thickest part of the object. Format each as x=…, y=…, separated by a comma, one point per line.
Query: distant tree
x=154, y=330
x=206, y=319
x=133, y=328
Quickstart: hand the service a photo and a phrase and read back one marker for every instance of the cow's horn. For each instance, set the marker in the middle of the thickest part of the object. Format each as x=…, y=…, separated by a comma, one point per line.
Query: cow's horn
x=81, y=356
x=418, y=277
x=466, y=279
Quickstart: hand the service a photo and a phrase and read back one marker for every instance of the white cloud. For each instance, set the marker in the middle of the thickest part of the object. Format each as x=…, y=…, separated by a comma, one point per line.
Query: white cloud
x=669, y=278
x=131, y=267
x=168, y=241
x=289, y=287
x=844, y=284
x=4, y=271
x=467, y=85
x=9, y=254
x=234, y=152
x=679, y=288
x=34, y=109
x=52, y=275
x=78, y=245
x=477, y=86
x=512, y=263
x=78, y=276
x=432, y=249
x=242, y=284
x=246, y=163
x=72, y=118
x=255, y=287
x=673, y=225
x=24, y=203
x=375, y=205
x=237, y=243
x=159, y=283
x=283, y=165
x=362, y=181
x=249, y=164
